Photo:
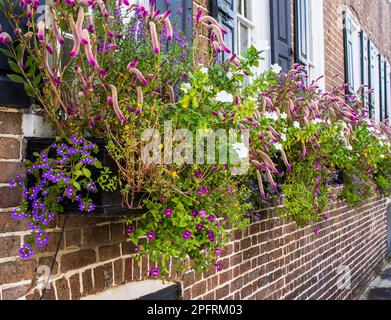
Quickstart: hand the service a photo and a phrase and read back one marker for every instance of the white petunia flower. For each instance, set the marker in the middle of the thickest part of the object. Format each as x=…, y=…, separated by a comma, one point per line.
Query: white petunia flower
x=382, y=156
x=283, y=116
x=271, y=115
x=230, y=75
x=224, y=96
x=276, y=68
x=317, y=121
x=350, y=148
x=204, y=70
x=185, y=87
x=296, y=124
x=283, y=137
x=241, y=150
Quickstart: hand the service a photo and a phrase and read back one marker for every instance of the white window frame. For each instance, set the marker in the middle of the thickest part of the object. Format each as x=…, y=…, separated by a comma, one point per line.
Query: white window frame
x=316, y=67
x=246, y=21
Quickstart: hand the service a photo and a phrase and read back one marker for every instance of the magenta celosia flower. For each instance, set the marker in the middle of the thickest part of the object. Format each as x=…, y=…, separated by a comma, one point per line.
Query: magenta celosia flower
x=138, y=75
x=41, y=31
x=76, y=40
x=56, y=29
x=114, y=99
x=169, y=31
x=5, y=38
x=154, y=37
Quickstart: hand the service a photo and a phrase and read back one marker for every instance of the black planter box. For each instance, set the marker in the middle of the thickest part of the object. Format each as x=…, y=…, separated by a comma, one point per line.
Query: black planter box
x=108, y=204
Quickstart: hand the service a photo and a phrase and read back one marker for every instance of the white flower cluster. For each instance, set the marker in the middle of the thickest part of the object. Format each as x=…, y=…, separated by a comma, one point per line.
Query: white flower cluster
x=225, y=97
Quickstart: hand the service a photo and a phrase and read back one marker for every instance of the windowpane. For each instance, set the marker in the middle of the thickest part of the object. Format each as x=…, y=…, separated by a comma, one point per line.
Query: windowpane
x=244, y=40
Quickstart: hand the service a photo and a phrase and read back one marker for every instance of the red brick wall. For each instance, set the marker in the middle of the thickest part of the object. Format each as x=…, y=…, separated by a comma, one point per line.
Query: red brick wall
x=374, y=17
x=264, y=261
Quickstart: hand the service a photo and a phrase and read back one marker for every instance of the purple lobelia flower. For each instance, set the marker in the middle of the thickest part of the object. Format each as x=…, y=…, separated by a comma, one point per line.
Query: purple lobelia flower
x=41, y=239
x=26, y=252
x=168, y=212
x=91, y=207
x=186, y=235
x=151, y=235
x=69, y=192
x=155, y=272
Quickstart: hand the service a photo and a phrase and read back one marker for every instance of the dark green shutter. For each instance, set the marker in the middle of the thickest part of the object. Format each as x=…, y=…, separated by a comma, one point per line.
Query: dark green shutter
x=302, y=30
x=181, y=14
x=281, y=33
x=387, y=90
x=382, y=86
x=12, y=93
x=349, y=56
x=364, y=65
x=372, y=54
x=224, y=11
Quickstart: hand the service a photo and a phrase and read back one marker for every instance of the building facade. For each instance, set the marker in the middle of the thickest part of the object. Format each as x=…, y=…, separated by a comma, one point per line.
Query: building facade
x=347, y=41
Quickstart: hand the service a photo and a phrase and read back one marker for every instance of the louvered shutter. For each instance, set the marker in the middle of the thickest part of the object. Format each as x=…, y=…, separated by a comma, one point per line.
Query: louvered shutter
x=364, y=65
x=349, y=55
x=12, y=93
x=181, y=14
x=225, y=13
x=372, y=54
x=281, y=33
x=387, y=95
x=382, y=86
x=302, y=35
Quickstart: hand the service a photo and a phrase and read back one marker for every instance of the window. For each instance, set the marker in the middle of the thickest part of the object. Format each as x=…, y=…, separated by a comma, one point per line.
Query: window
x=245, y=25
x=309, y=37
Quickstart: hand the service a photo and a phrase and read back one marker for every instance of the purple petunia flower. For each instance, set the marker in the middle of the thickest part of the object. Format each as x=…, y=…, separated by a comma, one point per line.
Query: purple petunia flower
x=136, y=249
x=26, y=252
x=154, y=273
x=199, y=227
x=218, y=251
x=200, y=192
x=202, y=214
x=41, y=239
x=219, y=266
x=198, y=174
x=186, y=235
x=211, y=236
x=194, y=213
x=130, y=229
x=151, y=235
x=168, y=212
x=211, y=218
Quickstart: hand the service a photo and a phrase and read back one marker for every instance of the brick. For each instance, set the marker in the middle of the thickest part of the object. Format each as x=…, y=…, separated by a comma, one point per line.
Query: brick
x=35, y=295
x=14, y=271
x=128, y=272
x=188, y=279
x=16, y=292
x=96, y=236
x=73, y=238
x=10, y=123
x=222, y=292
x=118, y=272
x=47, y=261
x=117, y=232
x=7, y=224
x=109, y=252
x=9, y=246
x=87, y=283
x=9, y=148
x=49, y=294
x=8, y=171
x=62, y=289
x=10, y=198
x=198, y=289
x=77, y=260
x=74, y=283
x=103, y=277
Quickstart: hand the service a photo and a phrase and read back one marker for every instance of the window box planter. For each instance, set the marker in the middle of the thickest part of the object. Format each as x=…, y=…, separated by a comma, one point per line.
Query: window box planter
x=108, y=204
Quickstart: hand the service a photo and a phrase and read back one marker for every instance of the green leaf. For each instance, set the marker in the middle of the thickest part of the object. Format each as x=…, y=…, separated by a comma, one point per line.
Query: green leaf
x=14, y=66
x=76, y=185
x=7, y=53
x=15, y=78
x=98, y=165
x=87, y=172
x=29, y=89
